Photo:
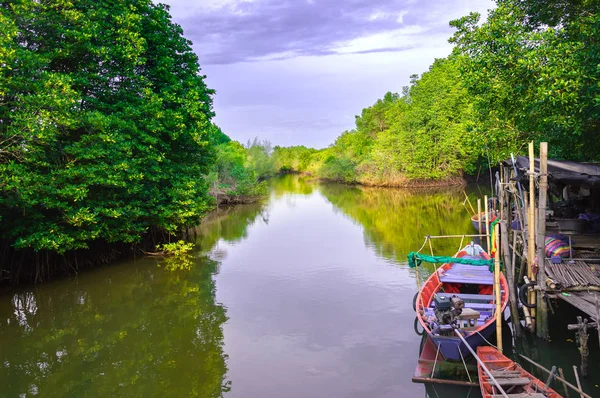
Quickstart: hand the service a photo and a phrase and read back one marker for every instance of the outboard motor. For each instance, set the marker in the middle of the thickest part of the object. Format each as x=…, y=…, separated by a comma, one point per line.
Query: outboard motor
x=447, y=310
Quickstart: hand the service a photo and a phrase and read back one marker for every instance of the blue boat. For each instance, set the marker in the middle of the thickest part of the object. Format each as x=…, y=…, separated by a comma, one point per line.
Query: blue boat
x=460, y=297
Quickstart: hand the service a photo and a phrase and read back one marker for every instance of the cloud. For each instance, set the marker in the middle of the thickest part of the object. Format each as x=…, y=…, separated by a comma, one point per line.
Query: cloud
x=297, y=71
x=231, y=31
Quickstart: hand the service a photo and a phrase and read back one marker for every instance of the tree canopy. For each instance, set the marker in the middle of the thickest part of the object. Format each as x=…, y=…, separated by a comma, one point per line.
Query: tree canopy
x=105, y=124
x=528, y=72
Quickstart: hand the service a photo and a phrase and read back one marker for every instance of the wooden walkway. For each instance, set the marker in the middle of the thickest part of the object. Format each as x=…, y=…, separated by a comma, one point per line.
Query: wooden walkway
x=579, y=283
x=585, y=301
x=574, y=273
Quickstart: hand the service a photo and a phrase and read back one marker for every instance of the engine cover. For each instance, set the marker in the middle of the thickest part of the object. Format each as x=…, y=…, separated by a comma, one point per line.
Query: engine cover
x=442, y=302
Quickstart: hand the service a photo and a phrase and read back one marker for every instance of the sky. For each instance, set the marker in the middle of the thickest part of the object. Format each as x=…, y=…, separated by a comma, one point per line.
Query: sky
x=296, y=72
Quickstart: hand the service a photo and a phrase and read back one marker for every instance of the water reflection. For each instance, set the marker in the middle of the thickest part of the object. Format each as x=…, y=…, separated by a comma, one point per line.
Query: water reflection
x=303, y=295
x=124, y=331
x=396, y=221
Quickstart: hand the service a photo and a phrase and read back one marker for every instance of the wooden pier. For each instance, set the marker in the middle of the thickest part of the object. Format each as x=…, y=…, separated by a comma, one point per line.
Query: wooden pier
x=547, y=245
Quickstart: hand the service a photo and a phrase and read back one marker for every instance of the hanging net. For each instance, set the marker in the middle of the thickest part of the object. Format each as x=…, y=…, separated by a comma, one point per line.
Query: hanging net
x=415, y=259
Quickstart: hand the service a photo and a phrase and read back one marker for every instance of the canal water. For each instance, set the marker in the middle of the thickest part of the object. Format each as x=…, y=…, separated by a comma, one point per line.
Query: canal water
x=307, y=294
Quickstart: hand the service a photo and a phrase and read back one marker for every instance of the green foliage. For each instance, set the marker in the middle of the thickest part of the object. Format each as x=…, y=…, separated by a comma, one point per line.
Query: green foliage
x=239, y=170
x=178, y=256
x=295, y=158
x=175, y=248
x=338, y=169
x=259, y=157
x=425, y=134
x=532, y=69
x=530, y=72
x=105, y=124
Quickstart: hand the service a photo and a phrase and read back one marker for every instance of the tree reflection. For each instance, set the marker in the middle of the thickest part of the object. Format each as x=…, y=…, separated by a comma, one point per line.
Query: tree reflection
x=131, y=330
x=396, y=221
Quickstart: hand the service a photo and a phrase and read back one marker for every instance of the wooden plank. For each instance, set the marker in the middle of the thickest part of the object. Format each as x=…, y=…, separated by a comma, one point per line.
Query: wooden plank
x=519, y=381
x=477, y=297
x=527, y=395
x=428, y=380
x=576, y=300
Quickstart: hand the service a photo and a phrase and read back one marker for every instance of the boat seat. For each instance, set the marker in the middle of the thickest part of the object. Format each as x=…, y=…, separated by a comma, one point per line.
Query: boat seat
x=475, y=306
x=473, y=297
x=513, y=381
x=462, y=279
x=521, y=395
x=480, y=306
x=461, y=273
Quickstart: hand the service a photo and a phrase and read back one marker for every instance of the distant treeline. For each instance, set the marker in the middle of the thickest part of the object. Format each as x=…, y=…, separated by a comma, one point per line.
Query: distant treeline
x=529, y=72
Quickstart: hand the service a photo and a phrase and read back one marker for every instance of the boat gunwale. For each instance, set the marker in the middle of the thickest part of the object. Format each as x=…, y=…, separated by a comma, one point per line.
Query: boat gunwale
x=435, y=279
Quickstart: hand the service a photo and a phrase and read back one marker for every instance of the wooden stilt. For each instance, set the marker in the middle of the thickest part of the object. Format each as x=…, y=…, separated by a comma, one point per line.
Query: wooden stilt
x=527, y=315
x=582, y=338
x=577, y=379
x=501, y=193
x=510, y=276
x=531, y=227
x=487, y=224
x=479, y=214
x=497, y=289
x=542, y=313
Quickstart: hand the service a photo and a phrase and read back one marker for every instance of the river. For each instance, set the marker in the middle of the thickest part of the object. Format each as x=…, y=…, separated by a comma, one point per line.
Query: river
x=307, y=294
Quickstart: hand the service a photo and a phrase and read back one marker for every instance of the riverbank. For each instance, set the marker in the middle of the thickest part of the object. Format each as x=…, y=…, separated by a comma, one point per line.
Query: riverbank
x=398, y=182
x=43, y=266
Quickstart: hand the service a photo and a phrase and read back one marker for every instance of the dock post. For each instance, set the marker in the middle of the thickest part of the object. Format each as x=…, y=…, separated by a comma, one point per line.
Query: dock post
x=479, y=214
x=501, y=193
x=510, y=277
x=542, y=313
x=531, y=227
x=581, y=331
x=487, y=224
x=497, y=289
x=577, y=379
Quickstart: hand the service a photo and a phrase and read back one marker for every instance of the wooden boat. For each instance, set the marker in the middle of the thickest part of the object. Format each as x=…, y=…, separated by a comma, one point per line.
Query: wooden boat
x=475, y=221
x=471, y=284
x=432, y=371
x=515, y=380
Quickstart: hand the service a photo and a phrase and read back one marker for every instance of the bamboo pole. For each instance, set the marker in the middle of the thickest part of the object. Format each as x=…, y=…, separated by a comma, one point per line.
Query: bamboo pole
x=497, y=289
x=527, y=315
x=525, y=253
x=513, y=262
x=479, y=214
x=455, y=236
x=510, y=276
x=578, y=382
x=469, y=202
x=531, y=226
x=501, y=193
x=562, y=375
x=542, y=313
x=487, y=224
x=579, y=390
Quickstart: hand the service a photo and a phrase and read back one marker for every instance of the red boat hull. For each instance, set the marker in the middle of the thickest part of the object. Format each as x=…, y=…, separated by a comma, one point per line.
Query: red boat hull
x=450, y=279
x=509, y=374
